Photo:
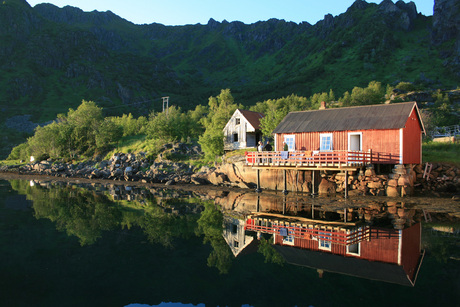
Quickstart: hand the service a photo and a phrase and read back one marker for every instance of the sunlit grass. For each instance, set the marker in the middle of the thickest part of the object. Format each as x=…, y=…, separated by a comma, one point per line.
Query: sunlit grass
x=441, y=152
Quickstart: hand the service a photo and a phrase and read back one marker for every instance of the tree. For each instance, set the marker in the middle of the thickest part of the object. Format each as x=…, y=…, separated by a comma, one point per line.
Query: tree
x=85, y=121
x=210, y=225
x=169, y=126
x=276, y=110
x=374, y=93
x=221, y=109
x=107, y=133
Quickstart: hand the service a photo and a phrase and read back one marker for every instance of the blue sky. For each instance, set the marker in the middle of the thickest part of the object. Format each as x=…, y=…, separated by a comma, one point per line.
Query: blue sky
x=181, y=12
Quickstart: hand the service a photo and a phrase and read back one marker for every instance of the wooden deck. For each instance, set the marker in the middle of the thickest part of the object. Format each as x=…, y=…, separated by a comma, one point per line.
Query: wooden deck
x=309, y=160
x=334, y=232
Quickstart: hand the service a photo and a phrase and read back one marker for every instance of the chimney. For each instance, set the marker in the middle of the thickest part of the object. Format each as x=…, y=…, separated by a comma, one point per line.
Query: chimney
x=323, y=105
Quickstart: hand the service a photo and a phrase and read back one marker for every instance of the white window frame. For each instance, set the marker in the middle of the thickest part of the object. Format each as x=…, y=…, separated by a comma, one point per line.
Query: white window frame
x=291, y=145
x=354, y=253
x=324, y=244
x=289, y=240
x=360, y=140
x=325, y=135
x=358, y=244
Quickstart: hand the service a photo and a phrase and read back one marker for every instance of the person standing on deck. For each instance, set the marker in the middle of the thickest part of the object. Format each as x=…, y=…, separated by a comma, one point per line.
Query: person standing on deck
x=260, y=149
x=268, y=147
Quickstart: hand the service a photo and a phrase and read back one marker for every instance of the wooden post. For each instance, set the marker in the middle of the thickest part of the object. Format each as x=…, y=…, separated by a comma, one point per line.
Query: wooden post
x=284, y=204
x=346, y=184
x=285, y=181
x=312, y=182
x=258, y=189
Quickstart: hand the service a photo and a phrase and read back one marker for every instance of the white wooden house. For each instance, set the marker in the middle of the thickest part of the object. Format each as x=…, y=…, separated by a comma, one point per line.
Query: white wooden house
x=242, y=130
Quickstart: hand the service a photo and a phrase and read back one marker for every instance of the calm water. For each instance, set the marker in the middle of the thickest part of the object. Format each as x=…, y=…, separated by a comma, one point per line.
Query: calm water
x=93, y=245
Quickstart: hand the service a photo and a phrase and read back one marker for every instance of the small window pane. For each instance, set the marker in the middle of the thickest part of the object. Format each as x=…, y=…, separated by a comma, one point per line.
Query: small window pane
x=326, y=142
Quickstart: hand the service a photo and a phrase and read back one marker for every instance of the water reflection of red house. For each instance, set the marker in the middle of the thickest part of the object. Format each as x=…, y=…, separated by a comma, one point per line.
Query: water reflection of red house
x=388, y=255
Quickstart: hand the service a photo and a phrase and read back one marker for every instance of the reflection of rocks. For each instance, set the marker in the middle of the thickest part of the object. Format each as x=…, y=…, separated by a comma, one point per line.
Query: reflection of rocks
x=402, y=181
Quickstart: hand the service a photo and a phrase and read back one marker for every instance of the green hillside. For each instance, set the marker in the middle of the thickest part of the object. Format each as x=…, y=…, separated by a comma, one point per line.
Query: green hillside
x=51, y=59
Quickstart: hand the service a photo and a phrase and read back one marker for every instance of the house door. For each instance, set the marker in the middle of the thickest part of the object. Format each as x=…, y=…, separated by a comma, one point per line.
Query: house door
x=354, y=141
x=355, y=144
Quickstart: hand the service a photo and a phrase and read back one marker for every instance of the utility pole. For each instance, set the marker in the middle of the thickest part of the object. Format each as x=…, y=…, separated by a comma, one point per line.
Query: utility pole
x=165, y=100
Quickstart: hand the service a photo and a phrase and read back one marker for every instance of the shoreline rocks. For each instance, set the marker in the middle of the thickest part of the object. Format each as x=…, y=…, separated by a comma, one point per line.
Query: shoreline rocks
x=401, y=181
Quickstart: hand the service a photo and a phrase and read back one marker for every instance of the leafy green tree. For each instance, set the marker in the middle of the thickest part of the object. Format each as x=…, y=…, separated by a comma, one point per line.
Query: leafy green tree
x=210, y=224
x=270, y=254
x=49, y=140
x=85, y=121
x=276, y=110
x=406, y=86
x=130, y=125
x=221, y=109
x=374, y=93
x=196, y=126
x=107, y=134
x=22, y=151
x=169, y=126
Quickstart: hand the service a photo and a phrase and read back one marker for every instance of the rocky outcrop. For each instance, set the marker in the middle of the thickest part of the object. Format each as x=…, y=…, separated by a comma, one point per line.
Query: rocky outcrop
x=121, y=166
x=399, y=16
x=402, y=181
x=446, y=21
x=446, y=27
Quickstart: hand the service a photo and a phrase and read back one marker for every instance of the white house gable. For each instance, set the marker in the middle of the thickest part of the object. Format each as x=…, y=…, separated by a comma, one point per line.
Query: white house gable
x=240, y=132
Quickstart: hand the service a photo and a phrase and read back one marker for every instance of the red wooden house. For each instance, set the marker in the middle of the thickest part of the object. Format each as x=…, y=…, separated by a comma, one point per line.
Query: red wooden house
x=379, y=134
x=383, y=254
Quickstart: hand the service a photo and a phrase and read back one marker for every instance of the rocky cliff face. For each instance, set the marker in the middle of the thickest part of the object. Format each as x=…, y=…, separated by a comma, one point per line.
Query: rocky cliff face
x=446, y=28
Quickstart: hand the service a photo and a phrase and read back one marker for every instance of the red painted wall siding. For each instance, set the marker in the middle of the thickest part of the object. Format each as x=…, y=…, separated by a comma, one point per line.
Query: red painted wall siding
x=412, y=140
x=410, y=252
x=382, y=246
x=379, y=141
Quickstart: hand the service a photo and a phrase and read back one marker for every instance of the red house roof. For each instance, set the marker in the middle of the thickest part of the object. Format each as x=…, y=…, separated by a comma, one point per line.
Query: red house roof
x=252, y=117
x=382, y=116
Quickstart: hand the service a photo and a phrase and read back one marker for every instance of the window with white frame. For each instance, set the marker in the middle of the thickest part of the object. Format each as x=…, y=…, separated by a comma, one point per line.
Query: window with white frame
x=289, y=240
x=237, y=121
x=290, y=141
x=354, y=249
x=325, y=141
x=324, y=242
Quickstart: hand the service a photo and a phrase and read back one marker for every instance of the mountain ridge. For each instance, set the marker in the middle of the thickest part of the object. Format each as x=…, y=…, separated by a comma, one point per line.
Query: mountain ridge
x=55, y=57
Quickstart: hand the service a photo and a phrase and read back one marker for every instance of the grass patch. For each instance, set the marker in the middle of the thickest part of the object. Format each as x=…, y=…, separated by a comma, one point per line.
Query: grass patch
x=135, y=144
x=441, y=152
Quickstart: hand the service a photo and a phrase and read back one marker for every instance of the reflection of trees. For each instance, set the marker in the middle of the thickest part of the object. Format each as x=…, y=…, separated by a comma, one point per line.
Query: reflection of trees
x=210, y=225
x=270, y=254
x=442, y=244
x=78, y=212
x=87, y=214
x=161, y=227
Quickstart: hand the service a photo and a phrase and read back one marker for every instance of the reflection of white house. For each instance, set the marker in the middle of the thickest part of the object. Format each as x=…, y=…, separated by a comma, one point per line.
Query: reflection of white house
x=242, y=130
x=234, y=235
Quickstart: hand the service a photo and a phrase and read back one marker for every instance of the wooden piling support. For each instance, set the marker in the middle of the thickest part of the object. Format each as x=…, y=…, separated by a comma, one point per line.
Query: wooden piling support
x=258, y=189
x=285, y=181
x=346, y=184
